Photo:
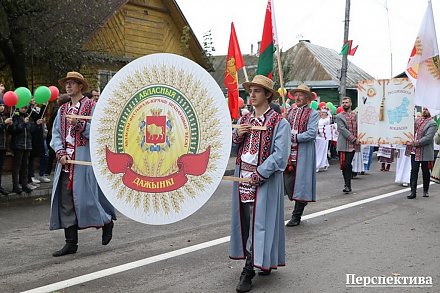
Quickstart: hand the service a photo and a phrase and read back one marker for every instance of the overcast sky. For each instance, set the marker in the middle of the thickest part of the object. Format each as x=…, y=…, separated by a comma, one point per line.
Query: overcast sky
x=321, y=22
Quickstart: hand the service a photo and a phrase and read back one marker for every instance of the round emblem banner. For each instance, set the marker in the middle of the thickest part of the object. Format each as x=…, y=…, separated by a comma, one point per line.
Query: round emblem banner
x=160, y=138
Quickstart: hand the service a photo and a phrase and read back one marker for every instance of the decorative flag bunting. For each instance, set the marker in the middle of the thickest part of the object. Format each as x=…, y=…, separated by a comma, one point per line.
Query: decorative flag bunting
x=268, y=42
x=234, y=62
x=423, y=68
x=347, y=49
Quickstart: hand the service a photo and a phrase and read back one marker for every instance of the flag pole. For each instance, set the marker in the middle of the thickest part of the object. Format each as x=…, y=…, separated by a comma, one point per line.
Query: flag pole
x=280, y=73
x=245, y=74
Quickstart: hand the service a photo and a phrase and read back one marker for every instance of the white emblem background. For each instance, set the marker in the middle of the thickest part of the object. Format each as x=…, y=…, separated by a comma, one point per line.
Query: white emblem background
x=189, y=205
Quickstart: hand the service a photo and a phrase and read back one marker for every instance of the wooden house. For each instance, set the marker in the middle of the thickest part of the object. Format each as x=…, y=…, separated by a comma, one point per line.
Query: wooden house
x=137, y=28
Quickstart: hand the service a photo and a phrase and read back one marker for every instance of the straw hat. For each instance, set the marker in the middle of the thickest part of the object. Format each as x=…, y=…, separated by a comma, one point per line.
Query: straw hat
x=76, y=76
x=304, y=89
x=264, y=82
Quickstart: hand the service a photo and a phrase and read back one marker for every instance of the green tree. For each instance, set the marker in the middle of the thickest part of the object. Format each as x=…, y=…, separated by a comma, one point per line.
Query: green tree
x=49, y=32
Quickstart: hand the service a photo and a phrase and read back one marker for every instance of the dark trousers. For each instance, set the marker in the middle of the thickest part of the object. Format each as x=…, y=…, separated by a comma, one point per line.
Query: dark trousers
x=347, y=158
x=247, y=211
x=332, y=148
x=66, y=204
x=20, y=168
x=50, y=158
x=2, y=162
x=415, y=166
x=42, y=154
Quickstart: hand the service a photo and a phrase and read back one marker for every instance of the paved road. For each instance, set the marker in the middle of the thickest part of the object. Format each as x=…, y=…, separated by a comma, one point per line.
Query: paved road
x=390, y=236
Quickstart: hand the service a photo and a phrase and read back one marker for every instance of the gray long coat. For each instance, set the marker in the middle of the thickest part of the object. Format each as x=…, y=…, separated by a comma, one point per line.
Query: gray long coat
x=91, y=206
x=304, y=183
x=268, y=233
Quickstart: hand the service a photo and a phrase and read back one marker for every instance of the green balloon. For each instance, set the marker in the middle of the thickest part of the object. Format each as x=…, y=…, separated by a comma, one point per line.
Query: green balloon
x=314, y=105
x=333, y=108
x=329, y=105
x=42, y=94
x=24, y=97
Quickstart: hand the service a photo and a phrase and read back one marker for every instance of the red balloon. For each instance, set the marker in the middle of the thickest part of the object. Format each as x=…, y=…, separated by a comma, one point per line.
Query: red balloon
x=315, y=96
x=240, y=102
x=339, y=109
x=10, y=99
x=322, y=104
x=54, y=93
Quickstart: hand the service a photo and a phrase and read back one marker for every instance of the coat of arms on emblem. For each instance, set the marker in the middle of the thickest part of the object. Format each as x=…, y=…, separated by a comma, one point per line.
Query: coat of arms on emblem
x=155, y=133
x=155, y=130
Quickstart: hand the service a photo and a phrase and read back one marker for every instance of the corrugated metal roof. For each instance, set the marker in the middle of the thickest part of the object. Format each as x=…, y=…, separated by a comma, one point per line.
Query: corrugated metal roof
x=310, y=62
x=317, y=66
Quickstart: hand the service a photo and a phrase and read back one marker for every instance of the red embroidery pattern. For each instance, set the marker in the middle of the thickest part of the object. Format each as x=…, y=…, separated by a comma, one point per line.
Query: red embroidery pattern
x=247, y=192
x=85, y=108
x=252, y=140
x=271, y=120
x=298, y=119
x=302, y=118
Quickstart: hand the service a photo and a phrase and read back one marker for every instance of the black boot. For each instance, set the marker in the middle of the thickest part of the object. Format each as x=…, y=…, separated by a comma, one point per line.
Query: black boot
x=107, y=233
x=3, y=191
x=16, y=189
x=297, y=213
x=246, y=276
x=71, y=245
x=346, y=189
x=413, y=190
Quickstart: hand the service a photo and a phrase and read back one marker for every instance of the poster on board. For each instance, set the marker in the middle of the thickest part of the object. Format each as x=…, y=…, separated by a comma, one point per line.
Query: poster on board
x=385, y=111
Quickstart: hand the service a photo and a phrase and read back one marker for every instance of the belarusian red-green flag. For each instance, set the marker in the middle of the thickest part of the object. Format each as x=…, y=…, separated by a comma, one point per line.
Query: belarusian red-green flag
x=267, y=45
x=346, y=48
x=234, y=61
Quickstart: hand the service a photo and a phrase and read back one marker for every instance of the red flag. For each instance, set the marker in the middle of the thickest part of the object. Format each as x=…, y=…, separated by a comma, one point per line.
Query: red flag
x=234, y=61
x=353, y=50
x=267, y=46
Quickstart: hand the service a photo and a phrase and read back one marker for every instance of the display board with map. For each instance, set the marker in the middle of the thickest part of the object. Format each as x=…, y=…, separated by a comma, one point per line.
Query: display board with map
x=385, y=111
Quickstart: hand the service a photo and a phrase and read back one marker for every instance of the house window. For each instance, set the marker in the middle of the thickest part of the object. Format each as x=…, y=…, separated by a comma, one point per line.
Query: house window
x=104, y=78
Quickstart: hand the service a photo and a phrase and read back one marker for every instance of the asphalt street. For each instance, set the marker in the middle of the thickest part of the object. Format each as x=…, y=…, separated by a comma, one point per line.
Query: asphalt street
x=387, y=237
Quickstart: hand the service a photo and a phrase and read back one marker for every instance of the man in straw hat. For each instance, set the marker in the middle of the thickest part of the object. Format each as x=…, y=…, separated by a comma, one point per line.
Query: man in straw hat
x=348, y=143
x=300, y=176
x=77, y=200
x=257, y=226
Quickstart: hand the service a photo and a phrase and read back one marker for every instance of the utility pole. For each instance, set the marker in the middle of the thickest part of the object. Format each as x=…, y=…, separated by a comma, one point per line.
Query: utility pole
x=343, y=84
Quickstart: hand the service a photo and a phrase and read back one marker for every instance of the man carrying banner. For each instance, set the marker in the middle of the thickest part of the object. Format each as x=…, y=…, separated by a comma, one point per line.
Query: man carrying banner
x=347, y=141
x=257, y=226
x=77, y=200
x=421, y=150
x=300, y=176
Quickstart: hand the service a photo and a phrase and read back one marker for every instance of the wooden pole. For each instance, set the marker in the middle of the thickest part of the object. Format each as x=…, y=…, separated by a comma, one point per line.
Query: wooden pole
x=280, y=73
x=228, y=178
x=343, y=84
x=245, y=74
x=252, y=127
x=79, y=117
